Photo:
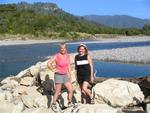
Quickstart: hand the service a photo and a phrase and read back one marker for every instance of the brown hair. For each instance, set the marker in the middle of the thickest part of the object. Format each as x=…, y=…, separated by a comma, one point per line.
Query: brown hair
x=85, y=47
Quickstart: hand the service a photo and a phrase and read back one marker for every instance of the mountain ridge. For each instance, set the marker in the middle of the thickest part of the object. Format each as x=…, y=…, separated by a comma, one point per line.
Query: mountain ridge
x=48, y=20
x=118, y=21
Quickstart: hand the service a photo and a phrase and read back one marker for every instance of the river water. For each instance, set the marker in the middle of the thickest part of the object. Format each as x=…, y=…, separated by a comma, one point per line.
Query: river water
x=15, y=58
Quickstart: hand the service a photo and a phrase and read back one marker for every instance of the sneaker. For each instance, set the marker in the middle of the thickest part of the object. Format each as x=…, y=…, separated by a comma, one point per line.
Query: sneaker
x=92, y=101
x=70, y=104
x=55, y=108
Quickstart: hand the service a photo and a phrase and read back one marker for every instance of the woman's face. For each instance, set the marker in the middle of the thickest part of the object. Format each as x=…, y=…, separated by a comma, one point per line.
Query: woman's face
x=63, y=49
x=81, y=50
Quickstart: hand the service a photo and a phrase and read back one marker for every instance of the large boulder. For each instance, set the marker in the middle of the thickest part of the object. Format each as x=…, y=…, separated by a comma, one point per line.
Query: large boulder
x=27, y=81
x=8, y=86
x=28, y=95
x=35, y=102
x=32, y=98
x=143, y=82
x=118, y=93
x=20, y=90
x=11, y=79
x=9, y=83
x=40, y=66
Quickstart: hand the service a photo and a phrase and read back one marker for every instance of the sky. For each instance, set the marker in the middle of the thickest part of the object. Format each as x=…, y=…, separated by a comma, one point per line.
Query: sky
x=135, y=8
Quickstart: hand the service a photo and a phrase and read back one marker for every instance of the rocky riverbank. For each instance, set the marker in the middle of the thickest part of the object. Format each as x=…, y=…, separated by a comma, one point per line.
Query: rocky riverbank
x=31, y=91
x=127, y=55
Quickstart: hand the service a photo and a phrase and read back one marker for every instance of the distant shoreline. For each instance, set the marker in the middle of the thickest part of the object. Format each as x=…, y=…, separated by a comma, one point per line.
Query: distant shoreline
x=25, y=42
x=96, y=40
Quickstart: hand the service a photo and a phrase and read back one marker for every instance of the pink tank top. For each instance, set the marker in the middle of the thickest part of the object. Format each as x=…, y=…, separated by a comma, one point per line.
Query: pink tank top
x=62, y=63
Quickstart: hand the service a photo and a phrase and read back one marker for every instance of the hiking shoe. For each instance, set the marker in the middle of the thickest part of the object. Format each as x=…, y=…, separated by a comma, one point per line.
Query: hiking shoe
x=55, y=108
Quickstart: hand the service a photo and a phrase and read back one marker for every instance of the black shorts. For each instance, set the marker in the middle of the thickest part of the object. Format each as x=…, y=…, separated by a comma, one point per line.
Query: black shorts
x=82, y=78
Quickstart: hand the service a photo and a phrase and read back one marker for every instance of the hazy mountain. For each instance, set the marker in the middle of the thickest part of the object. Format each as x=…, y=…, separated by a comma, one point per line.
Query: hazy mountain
x=118, y=21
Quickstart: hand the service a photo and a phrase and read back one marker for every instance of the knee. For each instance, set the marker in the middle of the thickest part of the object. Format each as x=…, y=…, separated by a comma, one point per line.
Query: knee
x=83, y=93
x=57, y=92
x=84, y=89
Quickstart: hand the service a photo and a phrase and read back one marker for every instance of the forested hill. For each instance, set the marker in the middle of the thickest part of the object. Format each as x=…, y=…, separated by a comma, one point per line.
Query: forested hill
x=41, y=18
x=48, y=20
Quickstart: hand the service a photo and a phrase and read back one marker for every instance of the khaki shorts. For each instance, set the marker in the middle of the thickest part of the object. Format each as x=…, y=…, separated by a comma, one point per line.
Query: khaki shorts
x=60, y=78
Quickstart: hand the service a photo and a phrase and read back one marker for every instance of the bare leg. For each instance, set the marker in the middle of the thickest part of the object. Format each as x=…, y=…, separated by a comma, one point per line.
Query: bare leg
x=86, y=91
x=83, y=94
x=57, y=92
x=69, y=87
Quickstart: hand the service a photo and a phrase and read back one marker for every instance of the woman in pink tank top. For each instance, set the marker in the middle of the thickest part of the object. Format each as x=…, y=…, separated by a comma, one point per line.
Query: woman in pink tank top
x=62, y=74
x=62, y=63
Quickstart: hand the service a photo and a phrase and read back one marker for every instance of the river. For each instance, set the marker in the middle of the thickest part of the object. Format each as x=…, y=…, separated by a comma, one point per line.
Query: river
x=15, y=58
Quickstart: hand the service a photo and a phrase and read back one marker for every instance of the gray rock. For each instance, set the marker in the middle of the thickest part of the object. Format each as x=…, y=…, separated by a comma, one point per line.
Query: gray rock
x=148, y=108
x=118, y=93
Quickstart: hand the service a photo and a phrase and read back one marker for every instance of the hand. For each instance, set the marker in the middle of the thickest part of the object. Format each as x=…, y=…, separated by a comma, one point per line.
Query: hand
x=54, y=70
x=92, y=79
x=70, y=79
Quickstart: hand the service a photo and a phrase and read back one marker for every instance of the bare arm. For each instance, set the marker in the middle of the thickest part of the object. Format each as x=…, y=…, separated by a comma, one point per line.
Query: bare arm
x=69, y=72
x=50, y=62
x=75, y=63
x=91, y=67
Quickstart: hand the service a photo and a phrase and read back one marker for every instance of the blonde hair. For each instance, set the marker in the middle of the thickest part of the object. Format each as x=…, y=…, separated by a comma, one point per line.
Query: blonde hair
x=63, y=44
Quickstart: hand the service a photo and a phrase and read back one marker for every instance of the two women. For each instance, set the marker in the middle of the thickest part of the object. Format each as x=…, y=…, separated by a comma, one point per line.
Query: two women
x=84, y=67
